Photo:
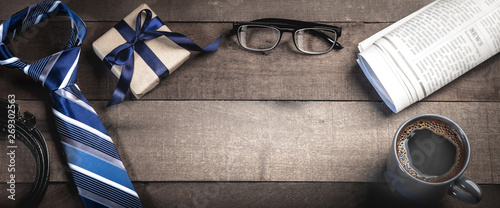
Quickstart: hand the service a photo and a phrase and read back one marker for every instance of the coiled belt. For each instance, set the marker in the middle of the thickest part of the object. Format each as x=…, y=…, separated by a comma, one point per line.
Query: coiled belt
x=25, y=130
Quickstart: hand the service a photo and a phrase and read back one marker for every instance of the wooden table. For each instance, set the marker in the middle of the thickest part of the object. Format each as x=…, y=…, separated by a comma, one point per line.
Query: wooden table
x=245, y=129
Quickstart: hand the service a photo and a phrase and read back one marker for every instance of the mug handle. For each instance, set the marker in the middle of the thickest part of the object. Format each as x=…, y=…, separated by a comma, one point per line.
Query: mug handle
x=466, y=190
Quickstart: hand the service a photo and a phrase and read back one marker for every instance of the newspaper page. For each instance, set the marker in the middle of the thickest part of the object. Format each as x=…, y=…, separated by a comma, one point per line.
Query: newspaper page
x=421, y=53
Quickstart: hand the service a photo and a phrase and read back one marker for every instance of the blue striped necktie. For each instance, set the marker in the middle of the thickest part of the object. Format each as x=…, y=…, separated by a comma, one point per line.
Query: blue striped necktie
x=97, y=169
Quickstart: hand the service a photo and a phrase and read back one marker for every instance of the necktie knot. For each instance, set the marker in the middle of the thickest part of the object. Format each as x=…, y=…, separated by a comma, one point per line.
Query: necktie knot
x=58, y=70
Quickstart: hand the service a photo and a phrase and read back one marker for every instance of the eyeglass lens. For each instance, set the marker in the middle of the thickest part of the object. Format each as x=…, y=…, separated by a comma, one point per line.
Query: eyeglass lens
x=258, y=37
x=315, y=40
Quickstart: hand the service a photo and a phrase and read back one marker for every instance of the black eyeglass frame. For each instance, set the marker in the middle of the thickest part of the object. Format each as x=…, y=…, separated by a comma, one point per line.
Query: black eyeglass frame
x=287, y=25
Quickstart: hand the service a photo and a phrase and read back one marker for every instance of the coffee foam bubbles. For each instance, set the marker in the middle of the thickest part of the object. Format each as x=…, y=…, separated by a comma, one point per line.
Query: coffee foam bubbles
x=440, y=128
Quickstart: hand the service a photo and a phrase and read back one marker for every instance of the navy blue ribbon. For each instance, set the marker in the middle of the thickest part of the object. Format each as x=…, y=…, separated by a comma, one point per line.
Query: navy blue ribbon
x=123, y=55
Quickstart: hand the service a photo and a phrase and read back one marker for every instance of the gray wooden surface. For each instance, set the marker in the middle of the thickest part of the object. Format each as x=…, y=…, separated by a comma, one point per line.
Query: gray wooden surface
x=244, y=129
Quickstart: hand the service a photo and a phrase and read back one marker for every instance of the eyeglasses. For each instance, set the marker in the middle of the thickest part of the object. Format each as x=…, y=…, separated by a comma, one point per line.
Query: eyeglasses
x=308, y=37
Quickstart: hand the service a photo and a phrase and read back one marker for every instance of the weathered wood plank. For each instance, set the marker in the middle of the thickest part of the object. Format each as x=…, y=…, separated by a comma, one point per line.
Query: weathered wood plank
x=236, y=74
x=261, y=194
x=179, y=134
x=230, y=10
x=57, y=195
x=271, y=140
x=293, y=195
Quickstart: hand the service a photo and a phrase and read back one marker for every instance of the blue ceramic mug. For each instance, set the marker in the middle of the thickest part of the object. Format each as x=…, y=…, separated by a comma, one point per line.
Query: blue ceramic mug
x=427, y=159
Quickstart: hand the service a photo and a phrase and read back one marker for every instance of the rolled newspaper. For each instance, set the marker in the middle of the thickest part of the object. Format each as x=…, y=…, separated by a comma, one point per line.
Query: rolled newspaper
x=426, y=50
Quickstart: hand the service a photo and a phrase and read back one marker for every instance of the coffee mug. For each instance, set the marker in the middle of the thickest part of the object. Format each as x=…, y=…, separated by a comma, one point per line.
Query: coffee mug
x=428, y=156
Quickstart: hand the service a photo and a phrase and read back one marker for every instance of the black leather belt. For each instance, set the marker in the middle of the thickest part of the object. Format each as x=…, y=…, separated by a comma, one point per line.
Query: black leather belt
x=23, y=128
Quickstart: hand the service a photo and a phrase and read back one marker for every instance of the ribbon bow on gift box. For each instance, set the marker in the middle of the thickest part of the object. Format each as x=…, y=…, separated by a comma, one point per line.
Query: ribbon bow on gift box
x=124, y=54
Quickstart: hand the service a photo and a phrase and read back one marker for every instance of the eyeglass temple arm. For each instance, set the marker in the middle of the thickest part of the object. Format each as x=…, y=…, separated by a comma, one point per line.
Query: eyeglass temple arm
x=337, y=46
x=235, y=28
x=297, y=22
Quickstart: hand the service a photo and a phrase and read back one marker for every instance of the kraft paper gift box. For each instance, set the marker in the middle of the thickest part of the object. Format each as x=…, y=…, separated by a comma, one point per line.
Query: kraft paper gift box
x=144, y=78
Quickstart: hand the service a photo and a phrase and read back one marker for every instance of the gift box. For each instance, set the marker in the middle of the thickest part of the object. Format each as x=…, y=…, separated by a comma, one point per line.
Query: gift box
x=145, y=75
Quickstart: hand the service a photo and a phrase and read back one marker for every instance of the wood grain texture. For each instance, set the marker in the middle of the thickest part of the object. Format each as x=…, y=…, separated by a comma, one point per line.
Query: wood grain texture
x=243, y=129
x=293, y=194
x=238, y=10
x=236, y=74
x=271, y=140
x=260, y=194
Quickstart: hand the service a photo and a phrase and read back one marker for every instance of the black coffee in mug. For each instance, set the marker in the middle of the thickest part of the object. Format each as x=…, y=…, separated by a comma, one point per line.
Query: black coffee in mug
x=431, y=150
